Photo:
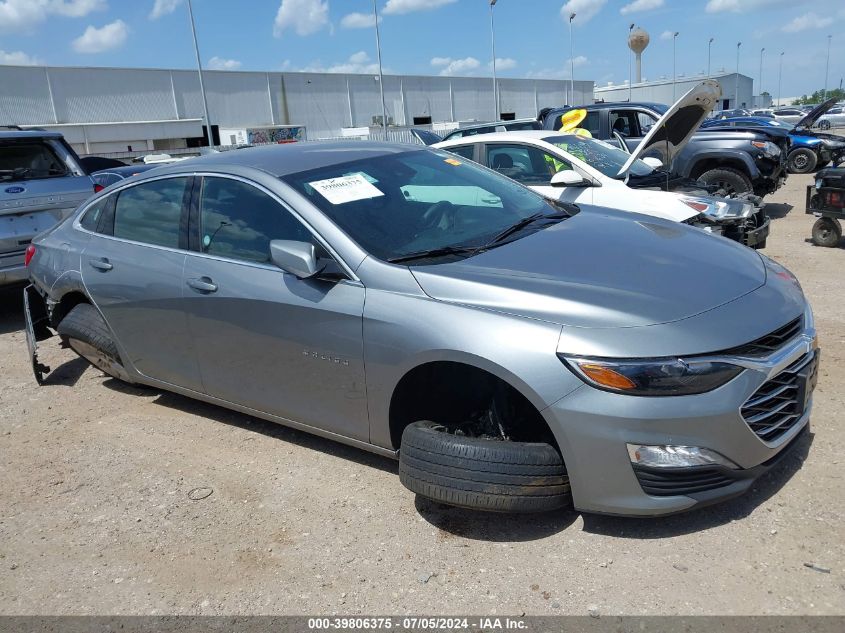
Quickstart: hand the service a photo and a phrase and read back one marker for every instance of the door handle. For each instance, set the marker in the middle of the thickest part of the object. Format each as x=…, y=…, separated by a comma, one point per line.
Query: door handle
x=101, y=264
x=203, y=284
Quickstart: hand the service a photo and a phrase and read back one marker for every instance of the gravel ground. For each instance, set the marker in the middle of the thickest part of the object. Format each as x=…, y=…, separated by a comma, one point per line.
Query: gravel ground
x=97, y=516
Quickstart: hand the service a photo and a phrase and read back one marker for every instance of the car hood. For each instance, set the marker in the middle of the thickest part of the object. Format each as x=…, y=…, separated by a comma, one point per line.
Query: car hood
x=815, y=114
x=673, y=130
x=602, y=269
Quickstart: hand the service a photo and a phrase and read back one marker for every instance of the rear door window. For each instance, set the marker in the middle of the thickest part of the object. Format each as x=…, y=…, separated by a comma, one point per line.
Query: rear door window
x=92, y=220
x=465, y=151
x=625, y=122
x=151, y=212
x=524, y=163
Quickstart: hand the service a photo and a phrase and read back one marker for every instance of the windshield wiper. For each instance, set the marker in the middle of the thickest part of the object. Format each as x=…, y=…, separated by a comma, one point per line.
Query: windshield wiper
x=524, y=223
x=433, y=253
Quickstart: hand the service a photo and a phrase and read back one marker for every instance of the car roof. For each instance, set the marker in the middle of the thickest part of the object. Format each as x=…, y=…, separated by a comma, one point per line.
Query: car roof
x=491, y=124
x=653, y=105
x=520, y=135
x=291, y=158
x=18, y=134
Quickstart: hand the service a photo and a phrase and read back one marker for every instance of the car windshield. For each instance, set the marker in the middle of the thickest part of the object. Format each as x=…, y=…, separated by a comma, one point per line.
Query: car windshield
x=398, y=205
x=599, y=155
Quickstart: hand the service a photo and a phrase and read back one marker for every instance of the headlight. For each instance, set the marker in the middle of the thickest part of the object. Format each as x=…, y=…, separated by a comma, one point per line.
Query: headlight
x=658, y=377
x=769, y=148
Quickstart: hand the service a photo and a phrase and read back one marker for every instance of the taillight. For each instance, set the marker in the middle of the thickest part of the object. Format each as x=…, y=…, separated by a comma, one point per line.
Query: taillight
x=98, y=188
x=835, y=199
x=30, y=253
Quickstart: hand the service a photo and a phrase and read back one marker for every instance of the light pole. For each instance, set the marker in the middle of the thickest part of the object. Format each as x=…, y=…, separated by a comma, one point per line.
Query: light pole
x=780, y=75
x=736, y=85
x=709, y=45
x=674, y=73
x=493, y=47
x=760, y=89
x=571, y=60
x=630, y=56
x=208, y=134
x=826, y=68
x=380, y=74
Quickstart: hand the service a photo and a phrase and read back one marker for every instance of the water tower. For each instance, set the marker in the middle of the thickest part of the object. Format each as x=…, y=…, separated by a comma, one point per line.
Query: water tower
x=637, y=42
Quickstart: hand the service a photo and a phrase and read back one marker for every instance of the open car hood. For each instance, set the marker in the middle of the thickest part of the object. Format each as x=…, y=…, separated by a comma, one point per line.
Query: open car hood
x=813, y=115
x=674, y=129
x=426, y=137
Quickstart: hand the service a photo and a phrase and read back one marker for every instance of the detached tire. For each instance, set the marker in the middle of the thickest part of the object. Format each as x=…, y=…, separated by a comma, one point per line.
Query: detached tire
x=482, y=474
x=827, y=232
x=728, y=180
x=801, y=161
x=88, y=335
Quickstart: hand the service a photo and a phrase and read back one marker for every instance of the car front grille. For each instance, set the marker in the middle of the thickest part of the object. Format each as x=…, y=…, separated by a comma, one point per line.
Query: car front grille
x=779, y=403
x=668, y=482
x=771, y=342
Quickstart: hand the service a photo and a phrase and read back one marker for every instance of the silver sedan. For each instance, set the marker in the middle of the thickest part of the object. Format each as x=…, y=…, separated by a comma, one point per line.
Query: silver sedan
x=514, y=354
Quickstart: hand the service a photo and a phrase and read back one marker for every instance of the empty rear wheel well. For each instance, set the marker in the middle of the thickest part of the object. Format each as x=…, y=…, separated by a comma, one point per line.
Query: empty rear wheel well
x=67, y=303
x=460, y=395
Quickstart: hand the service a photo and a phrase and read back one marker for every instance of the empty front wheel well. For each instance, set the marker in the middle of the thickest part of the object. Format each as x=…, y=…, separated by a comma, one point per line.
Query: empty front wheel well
x=467, y=398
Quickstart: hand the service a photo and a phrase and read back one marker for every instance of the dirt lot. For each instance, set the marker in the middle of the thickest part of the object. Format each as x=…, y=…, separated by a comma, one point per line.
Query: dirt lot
x=96, y=518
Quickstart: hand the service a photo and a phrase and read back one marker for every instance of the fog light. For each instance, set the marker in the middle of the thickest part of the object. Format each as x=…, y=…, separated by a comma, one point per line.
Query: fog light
x=676, y=456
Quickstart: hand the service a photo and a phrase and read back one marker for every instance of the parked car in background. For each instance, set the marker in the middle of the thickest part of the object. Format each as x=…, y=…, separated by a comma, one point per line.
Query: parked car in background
x=41, y=183
x=497, y=126
x=513, y=353
x=788, y=115
x=112, y=175
x=572, y=168
x=727, y=114
x=734, y=162
x=767, y=113
x=835, y=117
x=807, y=149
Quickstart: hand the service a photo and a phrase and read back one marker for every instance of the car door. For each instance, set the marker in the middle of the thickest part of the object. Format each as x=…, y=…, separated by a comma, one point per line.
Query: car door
x=534, y=168
x=132, y=270
x=265, y=339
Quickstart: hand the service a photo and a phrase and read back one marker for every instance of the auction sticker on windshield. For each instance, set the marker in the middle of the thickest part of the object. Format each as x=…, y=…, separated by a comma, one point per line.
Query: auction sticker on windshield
x=346, y=189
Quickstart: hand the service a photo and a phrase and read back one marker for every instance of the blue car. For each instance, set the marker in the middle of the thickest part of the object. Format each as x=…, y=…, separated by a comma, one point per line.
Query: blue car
x=807, y=150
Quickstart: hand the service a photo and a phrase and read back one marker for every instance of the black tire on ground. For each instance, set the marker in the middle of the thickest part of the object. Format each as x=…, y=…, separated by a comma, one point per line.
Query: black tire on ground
x=827, y=232
x=801, y=161
x=824, y=125
x=728, y=180
x=88, y=335
x=482, y=474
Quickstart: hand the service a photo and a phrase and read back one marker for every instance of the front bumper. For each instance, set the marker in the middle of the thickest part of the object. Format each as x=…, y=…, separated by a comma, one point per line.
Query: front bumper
x=593, y=428
x=756, y=237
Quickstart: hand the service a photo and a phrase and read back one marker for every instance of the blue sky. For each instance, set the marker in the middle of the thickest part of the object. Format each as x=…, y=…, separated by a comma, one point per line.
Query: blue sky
x=434, y=36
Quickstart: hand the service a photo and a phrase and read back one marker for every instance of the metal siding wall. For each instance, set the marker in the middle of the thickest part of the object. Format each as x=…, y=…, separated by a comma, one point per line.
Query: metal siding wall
x=237, y=98
x=366, y=98
x=317, y=101
x=84, y=95
x=427, y=96
x=24, y=98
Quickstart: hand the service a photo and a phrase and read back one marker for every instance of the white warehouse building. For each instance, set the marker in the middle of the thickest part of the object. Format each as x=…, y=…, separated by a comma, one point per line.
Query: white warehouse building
x=105, y=110
x=737, y=91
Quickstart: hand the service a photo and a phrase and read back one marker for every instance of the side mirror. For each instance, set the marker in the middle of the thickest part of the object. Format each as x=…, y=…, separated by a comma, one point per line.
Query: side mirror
x=297, y=258
x=568, y=178
x=654, y=163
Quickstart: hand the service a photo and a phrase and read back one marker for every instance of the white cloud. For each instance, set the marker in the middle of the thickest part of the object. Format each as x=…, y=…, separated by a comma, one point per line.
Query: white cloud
x=17, y=58
x=560, y=72
x=807, y=21
x=584, y=10
x=24, y=15
x=741, y=6
x=163, y=7
x=105, y=38
x=305, y=17
x=667, y=35
x=504, y=63
x=358, y=63
x=397, y=7
x=451, y=66
x=219, y=63
x=358, y=21
x=641, y=5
